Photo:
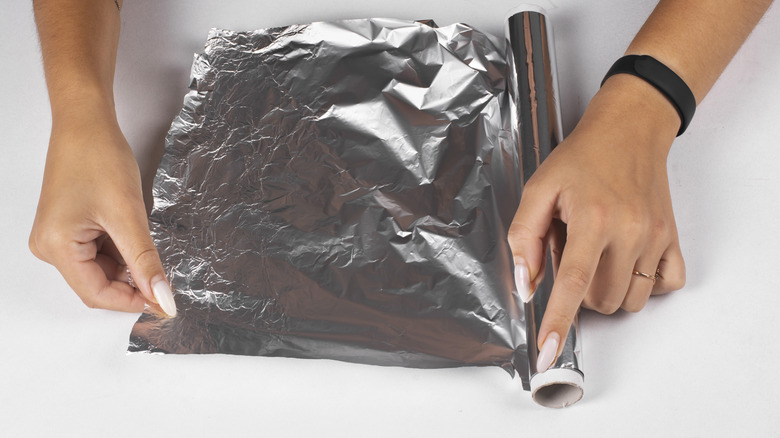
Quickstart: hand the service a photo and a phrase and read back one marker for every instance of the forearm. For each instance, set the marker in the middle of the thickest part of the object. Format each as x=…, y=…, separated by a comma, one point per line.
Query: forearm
x=696, y=39
x=91, y=223
x=79, y=43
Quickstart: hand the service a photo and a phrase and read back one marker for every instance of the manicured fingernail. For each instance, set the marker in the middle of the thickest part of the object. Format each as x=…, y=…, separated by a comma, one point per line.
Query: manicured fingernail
x=162, y=293
x=522, y=280
x=547, y=352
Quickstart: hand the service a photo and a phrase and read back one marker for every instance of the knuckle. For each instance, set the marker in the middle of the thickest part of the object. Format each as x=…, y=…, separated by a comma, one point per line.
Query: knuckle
x=634, y=222
x=90, y=302
x=673, y=277
x=660, y=226
x=598, y=217
x=606, y=306
x=576, y=279
x=533, y=185
x=93, y=299
x=676, y=282
x=586, y=304
x=634, y=306
x=518, y=232
x=46, y=241
x=33, y=246
x=681, y=281
x=147, y=258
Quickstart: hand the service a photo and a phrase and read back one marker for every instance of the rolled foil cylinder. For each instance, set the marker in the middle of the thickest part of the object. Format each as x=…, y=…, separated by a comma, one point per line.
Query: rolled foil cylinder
x=343, y=190
x=539, y=130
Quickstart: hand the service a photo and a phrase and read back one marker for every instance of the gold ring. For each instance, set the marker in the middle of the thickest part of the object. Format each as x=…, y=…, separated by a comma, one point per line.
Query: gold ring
x=648, y=276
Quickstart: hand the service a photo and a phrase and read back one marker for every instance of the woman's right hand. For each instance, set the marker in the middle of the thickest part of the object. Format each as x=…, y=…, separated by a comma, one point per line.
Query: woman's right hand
x=91, y=221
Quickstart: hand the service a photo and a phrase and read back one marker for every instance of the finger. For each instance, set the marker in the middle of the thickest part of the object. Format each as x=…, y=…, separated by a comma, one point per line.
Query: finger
x=641, y=287
x=611, y=280
x=88, y=279
x=527, y=237
x=109, y=248
x=551, y=256
x=557, y=242
x=113, y=270
x=671, y=271
x=132, y=239
x=118, y=271
x=578, y=265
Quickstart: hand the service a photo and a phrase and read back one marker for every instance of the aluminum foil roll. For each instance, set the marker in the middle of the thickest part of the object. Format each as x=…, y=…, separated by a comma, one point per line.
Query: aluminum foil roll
x=539, y=130
x=343, y=190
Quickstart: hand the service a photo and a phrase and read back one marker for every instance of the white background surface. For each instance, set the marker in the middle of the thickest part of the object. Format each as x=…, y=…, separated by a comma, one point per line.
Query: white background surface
x=700, y=362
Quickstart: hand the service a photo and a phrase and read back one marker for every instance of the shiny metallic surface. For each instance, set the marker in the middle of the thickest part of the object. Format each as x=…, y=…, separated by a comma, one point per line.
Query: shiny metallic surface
x=535, y=93
x=343, y=190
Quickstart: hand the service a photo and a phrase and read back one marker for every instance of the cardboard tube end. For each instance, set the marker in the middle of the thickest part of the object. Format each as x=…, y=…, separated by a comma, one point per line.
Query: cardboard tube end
x=557, y=388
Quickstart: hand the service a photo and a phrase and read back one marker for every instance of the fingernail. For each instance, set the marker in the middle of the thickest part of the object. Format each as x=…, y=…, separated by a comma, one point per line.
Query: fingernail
x=162, y=293
x=547, y=352
x=522, y=280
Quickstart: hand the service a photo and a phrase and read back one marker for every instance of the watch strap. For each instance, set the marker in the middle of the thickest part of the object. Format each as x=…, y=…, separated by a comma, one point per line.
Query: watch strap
x=663, y=79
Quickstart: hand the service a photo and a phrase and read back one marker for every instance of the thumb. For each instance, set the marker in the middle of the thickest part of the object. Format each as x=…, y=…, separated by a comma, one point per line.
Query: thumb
x=527, y=237
x=134, y=242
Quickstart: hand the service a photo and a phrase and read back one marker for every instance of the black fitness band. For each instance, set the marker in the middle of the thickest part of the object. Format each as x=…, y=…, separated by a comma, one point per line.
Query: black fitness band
x=662, y=78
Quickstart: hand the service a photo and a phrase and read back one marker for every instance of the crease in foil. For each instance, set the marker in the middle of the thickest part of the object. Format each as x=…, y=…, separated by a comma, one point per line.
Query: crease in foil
x=343, y=190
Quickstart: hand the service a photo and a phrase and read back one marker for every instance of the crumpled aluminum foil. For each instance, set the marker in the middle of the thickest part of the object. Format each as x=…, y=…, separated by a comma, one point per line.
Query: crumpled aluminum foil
x=343, y=190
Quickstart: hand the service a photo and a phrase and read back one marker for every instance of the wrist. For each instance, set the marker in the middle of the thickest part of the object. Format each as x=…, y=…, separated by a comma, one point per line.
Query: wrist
x=82, y=107
x=629, y=103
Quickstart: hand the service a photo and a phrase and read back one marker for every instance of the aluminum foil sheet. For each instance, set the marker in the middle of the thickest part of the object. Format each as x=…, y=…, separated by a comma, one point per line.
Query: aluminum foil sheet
x=343, y=190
